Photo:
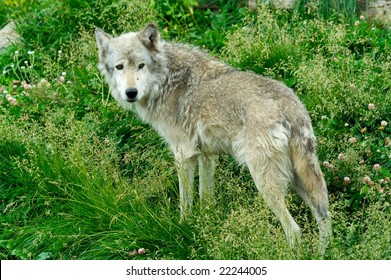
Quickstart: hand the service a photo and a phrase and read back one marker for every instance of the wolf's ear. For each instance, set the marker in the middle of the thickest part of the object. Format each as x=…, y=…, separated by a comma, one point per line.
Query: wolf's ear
x=150, y=37
x=102, y=40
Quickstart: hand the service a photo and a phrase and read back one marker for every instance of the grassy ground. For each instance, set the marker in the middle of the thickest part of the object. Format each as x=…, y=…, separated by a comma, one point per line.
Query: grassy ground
x=82, y=179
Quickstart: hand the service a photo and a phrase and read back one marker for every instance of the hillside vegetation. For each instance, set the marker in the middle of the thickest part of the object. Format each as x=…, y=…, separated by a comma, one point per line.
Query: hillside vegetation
x=80, y=178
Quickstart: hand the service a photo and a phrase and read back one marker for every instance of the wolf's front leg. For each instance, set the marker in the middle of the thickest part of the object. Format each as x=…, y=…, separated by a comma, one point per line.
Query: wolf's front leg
x=207, y=165
x=186, y=168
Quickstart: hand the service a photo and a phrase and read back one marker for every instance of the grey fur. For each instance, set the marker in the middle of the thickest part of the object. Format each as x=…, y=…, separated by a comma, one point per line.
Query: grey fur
x=203, y=107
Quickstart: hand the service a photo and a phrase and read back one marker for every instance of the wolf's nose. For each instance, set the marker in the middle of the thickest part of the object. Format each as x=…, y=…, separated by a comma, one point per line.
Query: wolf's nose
x=131, y=93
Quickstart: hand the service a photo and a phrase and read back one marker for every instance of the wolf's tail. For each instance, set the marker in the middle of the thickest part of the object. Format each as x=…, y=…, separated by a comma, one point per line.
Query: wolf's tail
x=310, y=184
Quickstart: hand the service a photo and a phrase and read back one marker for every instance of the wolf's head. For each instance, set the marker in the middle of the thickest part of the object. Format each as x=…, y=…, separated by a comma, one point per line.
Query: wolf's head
x=129, y=61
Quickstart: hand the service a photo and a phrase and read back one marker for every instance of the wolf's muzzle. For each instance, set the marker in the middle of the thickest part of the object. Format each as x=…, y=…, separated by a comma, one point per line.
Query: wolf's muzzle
x=131, y=93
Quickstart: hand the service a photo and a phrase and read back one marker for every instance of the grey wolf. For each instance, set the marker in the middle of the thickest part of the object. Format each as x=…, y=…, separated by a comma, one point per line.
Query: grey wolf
x=203, y=107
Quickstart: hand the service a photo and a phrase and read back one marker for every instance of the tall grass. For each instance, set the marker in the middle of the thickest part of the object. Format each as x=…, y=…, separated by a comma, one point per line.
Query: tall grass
x=65, y=197
x=328, y=8
x=82, y=179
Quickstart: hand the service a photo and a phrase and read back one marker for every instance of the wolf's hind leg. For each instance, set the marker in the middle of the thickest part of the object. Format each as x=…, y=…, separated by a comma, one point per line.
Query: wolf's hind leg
x=272, y=184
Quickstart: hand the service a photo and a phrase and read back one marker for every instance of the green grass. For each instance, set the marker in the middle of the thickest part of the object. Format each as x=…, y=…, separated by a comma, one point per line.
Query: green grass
x=82, y=179
x=328, y=8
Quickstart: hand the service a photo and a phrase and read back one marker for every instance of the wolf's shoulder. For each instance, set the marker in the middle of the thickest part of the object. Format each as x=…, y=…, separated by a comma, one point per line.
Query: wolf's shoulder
x=196, y=60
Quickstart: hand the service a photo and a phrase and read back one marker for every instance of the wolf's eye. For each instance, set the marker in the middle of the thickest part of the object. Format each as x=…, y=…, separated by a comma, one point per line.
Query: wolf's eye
x=119, y=66
x=141, y=66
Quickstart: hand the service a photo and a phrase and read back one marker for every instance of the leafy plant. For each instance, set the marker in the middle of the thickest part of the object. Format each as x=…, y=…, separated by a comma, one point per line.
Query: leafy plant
x=202, y=22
